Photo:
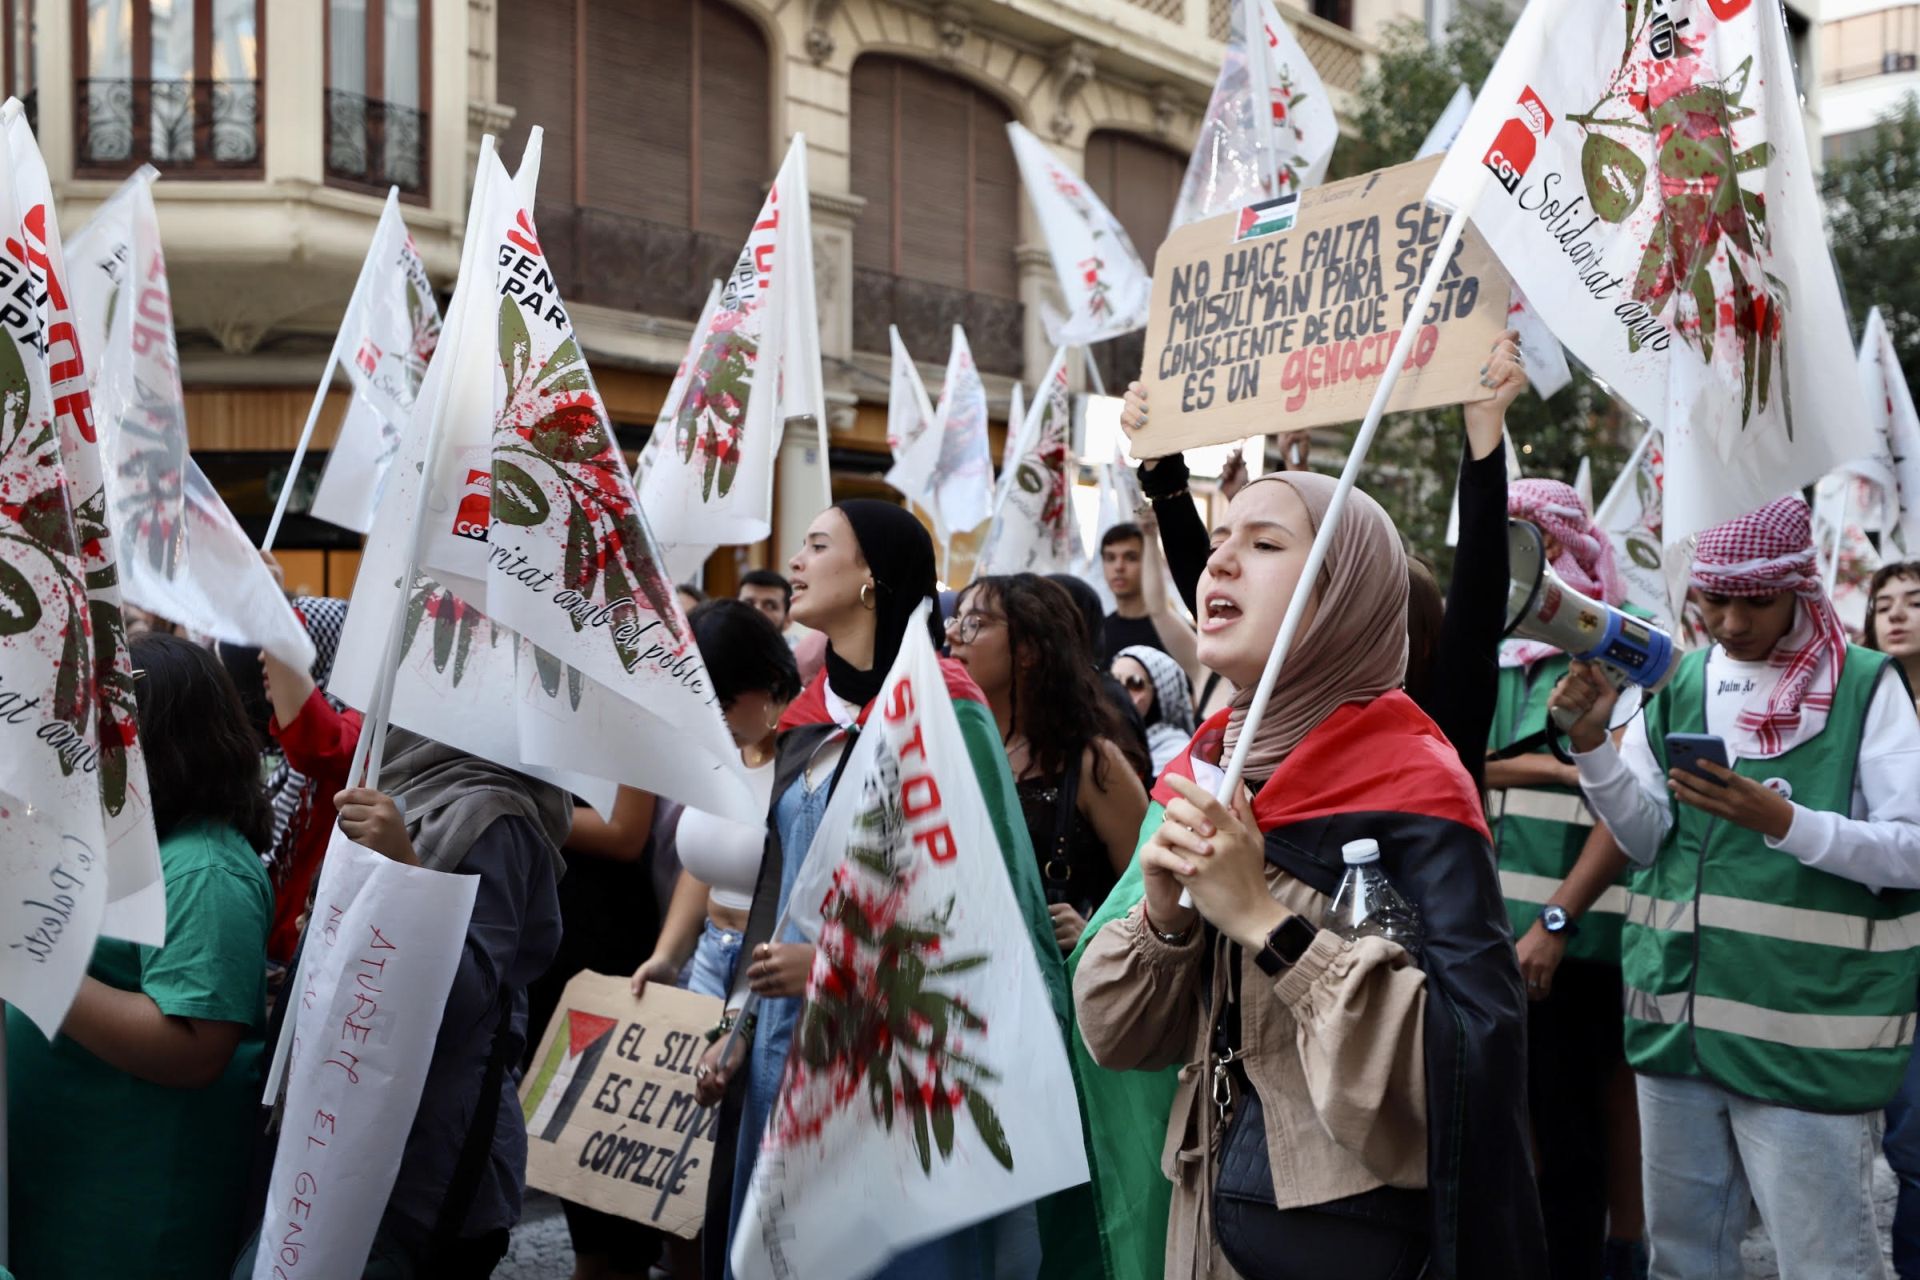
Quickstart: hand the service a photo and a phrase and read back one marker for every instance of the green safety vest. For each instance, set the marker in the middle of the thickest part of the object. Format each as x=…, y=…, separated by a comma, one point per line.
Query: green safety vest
x=1538, y=832
x=1746, y=967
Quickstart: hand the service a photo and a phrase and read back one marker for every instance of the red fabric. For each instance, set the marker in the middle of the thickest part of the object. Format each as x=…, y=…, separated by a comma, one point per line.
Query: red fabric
x=811, y=706
x=319, y=743
x=1759, y=554
x=1382, y=755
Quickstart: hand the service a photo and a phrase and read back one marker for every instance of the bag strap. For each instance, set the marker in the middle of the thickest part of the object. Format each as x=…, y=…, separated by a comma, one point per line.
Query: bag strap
x=477, y=1149
x=1066, y=809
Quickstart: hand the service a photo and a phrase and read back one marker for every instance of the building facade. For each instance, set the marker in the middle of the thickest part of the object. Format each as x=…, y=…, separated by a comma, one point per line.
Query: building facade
x=1869, y=65
x=279, y=124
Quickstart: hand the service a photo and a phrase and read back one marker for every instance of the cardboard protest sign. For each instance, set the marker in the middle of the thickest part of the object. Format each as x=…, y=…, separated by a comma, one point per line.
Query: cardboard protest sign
x=609, y=1103
x=1281, y=316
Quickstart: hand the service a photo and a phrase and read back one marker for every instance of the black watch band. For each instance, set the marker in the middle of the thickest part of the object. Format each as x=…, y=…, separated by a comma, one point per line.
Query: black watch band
x=1285, y=945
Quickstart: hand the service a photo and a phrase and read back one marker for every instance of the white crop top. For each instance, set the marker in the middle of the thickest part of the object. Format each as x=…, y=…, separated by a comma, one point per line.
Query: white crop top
x=723, y=854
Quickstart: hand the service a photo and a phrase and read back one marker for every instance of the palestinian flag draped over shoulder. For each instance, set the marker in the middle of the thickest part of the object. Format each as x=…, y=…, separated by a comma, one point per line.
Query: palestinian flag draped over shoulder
x=758, y=369
x=75, y=819
x=928, y=1087
x=540, y=630
x=1034, y=529
x=1641, y=170
x=186, y=558
x=391, y=328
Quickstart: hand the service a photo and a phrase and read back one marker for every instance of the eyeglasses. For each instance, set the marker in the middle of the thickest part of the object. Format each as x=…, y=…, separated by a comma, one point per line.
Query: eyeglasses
x=1134, y=684
x=966, y=627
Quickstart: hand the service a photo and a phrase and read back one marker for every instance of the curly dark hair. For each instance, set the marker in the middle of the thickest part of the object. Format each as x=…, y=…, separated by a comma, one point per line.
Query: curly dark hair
x=203, y=757
x=744, y=652
x=1057, y=699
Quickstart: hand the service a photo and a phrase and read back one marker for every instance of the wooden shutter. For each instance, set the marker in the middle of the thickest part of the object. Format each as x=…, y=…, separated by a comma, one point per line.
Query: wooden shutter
x=735, y=110
x=1139, y=181
x=536, y=78
x=639, y=99
x=935, y=130
x=872, y=107
x=996, y=201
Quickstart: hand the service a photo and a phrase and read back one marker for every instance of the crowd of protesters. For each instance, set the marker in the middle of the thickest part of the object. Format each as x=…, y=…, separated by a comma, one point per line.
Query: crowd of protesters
x=1652, y=997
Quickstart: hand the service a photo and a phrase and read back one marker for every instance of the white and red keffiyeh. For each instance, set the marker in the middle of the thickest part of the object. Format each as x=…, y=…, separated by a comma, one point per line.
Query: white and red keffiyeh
x=1762, y=553
x=1585, y=559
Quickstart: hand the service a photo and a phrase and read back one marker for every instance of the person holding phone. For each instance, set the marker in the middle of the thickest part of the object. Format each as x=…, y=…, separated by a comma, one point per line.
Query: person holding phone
x=1769, y=967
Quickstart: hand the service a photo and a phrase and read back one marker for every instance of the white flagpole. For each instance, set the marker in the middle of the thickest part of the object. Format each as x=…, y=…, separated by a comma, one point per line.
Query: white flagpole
x=1323, y=539
x=326, y=382
x=1259, y=68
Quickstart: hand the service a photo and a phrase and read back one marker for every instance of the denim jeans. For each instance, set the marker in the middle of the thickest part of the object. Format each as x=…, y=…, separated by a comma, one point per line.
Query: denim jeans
x=715, y=958
x=1903, y=1153
x=1706, y=1152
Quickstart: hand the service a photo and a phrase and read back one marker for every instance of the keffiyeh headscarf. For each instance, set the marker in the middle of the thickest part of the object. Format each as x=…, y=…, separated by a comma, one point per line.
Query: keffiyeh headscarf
x=1585, y=561
x=1170, y=720
x=1760, y=554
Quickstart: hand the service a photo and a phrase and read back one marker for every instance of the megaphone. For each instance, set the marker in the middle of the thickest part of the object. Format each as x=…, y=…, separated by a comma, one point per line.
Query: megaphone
x=1637, y=656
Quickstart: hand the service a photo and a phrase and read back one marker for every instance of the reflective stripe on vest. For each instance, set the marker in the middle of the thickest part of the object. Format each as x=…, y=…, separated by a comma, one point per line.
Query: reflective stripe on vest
x=1794, y=924
x=1842, y=1032
x=1522, y=887
x=1548, y=806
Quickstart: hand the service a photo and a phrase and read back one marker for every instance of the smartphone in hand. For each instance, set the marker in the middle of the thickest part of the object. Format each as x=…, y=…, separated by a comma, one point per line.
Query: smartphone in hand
x=1687, y=750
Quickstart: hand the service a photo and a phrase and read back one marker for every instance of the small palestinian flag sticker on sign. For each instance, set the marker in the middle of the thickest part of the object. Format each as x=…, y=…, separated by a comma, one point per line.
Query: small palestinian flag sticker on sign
x=1268, y=217
x=563, y=1077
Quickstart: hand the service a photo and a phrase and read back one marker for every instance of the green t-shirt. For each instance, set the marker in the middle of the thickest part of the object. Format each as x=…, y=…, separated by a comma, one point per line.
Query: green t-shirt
x=113, y=1176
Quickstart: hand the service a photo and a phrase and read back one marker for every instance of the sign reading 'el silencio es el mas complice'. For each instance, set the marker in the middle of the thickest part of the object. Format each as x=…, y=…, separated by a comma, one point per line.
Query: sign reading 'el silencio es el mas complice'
x=1282, y=316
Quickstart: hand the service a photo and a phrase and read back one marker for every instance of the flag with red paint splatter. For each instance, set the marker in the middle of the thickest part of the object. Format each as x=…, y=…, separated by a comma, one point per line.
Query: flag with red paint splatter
x=928, y=1087
x=758, y=370
x=1642, y=171
x=1106, y=286
x=75, y=819
x=184, y=555
x=1245, y=154
x=540, y=630
x=1034, y=528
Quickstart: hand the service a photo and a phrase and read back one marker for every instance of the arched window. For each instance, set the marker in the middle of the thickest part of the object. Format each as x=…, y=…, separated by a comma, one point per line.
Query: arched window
x=1139, y=180
x=174, y=82
x=658, y=146
x=934, y=244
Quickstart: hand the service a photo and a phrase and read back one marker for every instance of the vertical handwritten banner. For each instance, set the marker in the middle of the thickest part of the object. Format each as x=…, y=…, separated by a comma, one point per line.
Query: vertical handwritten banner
x=382, y=948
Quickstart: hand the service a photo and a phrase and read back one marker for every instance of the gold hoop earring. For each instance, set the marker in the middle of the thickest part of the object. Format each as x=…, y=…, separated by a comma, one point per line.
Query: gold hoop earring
x=867, y=602
x=773, y=719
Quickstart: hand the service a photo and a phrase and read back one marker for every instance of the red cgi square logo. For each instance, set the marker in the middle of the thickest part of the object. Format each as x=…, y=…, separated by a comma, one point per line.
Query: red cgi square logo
x=367, y=357
x=1513, y=149
x=475, y=512
x=1726, y=10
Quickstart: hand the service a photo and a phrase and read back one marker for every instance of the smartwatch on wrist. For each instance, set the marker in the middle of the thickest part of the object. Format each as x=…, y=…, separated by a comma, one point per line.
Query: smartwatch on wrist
x=1285, y=945
x=1555, y=920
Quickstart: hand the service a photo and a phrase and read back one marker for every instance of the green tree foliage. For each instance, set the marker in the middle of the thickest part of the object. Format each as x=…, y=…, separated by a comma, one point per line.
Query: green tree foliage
x=1873, y=215
x=1415, y=457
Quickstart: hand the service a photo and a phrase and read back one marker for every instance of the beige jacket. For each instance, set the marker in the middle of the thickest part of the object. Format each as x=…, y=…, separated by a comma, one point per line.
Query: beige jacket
x=1333, y=1046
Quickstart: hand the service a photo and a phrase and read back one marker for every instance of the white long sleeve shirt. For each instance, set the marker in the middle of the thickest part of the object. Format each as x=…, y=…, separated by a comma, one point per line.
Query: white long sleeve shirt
x=1876, y=844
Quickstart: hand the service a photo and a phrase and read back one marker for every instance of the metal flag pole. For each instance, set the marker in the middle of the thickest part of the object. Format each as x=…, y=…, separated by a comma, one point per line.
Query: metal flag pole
x=326, y=384
x=1323, y=538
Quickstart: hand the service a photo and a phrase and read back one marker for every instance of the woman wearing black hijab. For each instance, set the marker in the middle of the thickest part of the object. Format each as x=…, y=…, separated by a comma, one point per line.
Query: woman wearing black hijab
x=864, y=568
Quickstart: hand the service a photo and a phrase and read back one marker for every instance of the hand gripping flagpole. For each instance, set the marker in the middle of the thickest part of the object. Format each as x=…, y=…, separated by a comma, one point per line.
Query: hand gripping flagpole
x=360, y=285
x=1323, y=538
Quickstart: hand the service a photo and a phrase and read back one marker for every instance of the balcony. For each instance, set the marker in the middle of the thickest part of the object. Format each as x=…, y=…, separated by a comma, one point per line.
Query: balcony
x=616, y=260
x=926, y=314
x=185, y=127
x=1884, y=43
x=374, y=144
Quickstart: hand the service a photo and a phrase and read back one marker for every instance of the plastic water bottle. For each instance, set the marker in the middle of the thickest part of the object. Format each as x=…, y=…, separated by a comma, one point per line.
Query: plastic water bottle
x=1366, y=903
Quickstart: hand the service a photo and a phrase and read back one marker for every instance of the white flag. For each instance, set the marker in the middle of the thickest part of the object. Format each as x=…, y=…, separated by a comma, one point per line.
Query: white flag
x=1034, y=529
x=391, y=327
x=1630, y=515
x=1847, y=556
x=928, y=1088
x=75, y=817
x=540, y=631
x=1106, y=286
x=1016, y=419
x=1642, y=174
x=685, y=559
x=1447, y=127
x=911, y=437
x=379, y=960
x=759, y=369
x=1583, y=482
x=942, y=459
x=184, y=556
x=1894, y=466
x=1296, y=132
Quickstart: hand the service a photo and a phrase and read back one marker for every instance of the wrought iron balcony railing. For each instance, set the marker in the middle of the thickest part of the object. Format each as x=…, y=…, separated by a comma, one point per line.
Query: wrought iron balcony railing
x=376, y=144
x=189, y=126
x=926, y=314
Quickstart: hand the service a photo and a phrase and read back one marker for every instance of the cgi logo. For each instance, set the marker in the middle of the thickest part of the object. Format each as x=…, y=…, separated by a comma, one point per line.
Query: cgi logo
x=1726, y=10
x=367, y=357
x=1512, y=150
x=475, y=512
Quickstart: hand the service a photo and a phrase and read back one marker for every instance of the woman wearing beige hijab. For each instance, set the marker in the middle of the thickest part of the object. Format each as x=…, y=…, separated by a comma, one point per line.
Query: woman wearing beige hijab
x=1340, y=1107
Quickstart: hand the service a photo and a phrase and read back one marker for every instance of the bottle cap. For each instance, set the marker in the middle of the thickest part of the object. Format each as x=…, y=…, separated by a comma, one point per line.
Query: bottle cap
x=1359, y=852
